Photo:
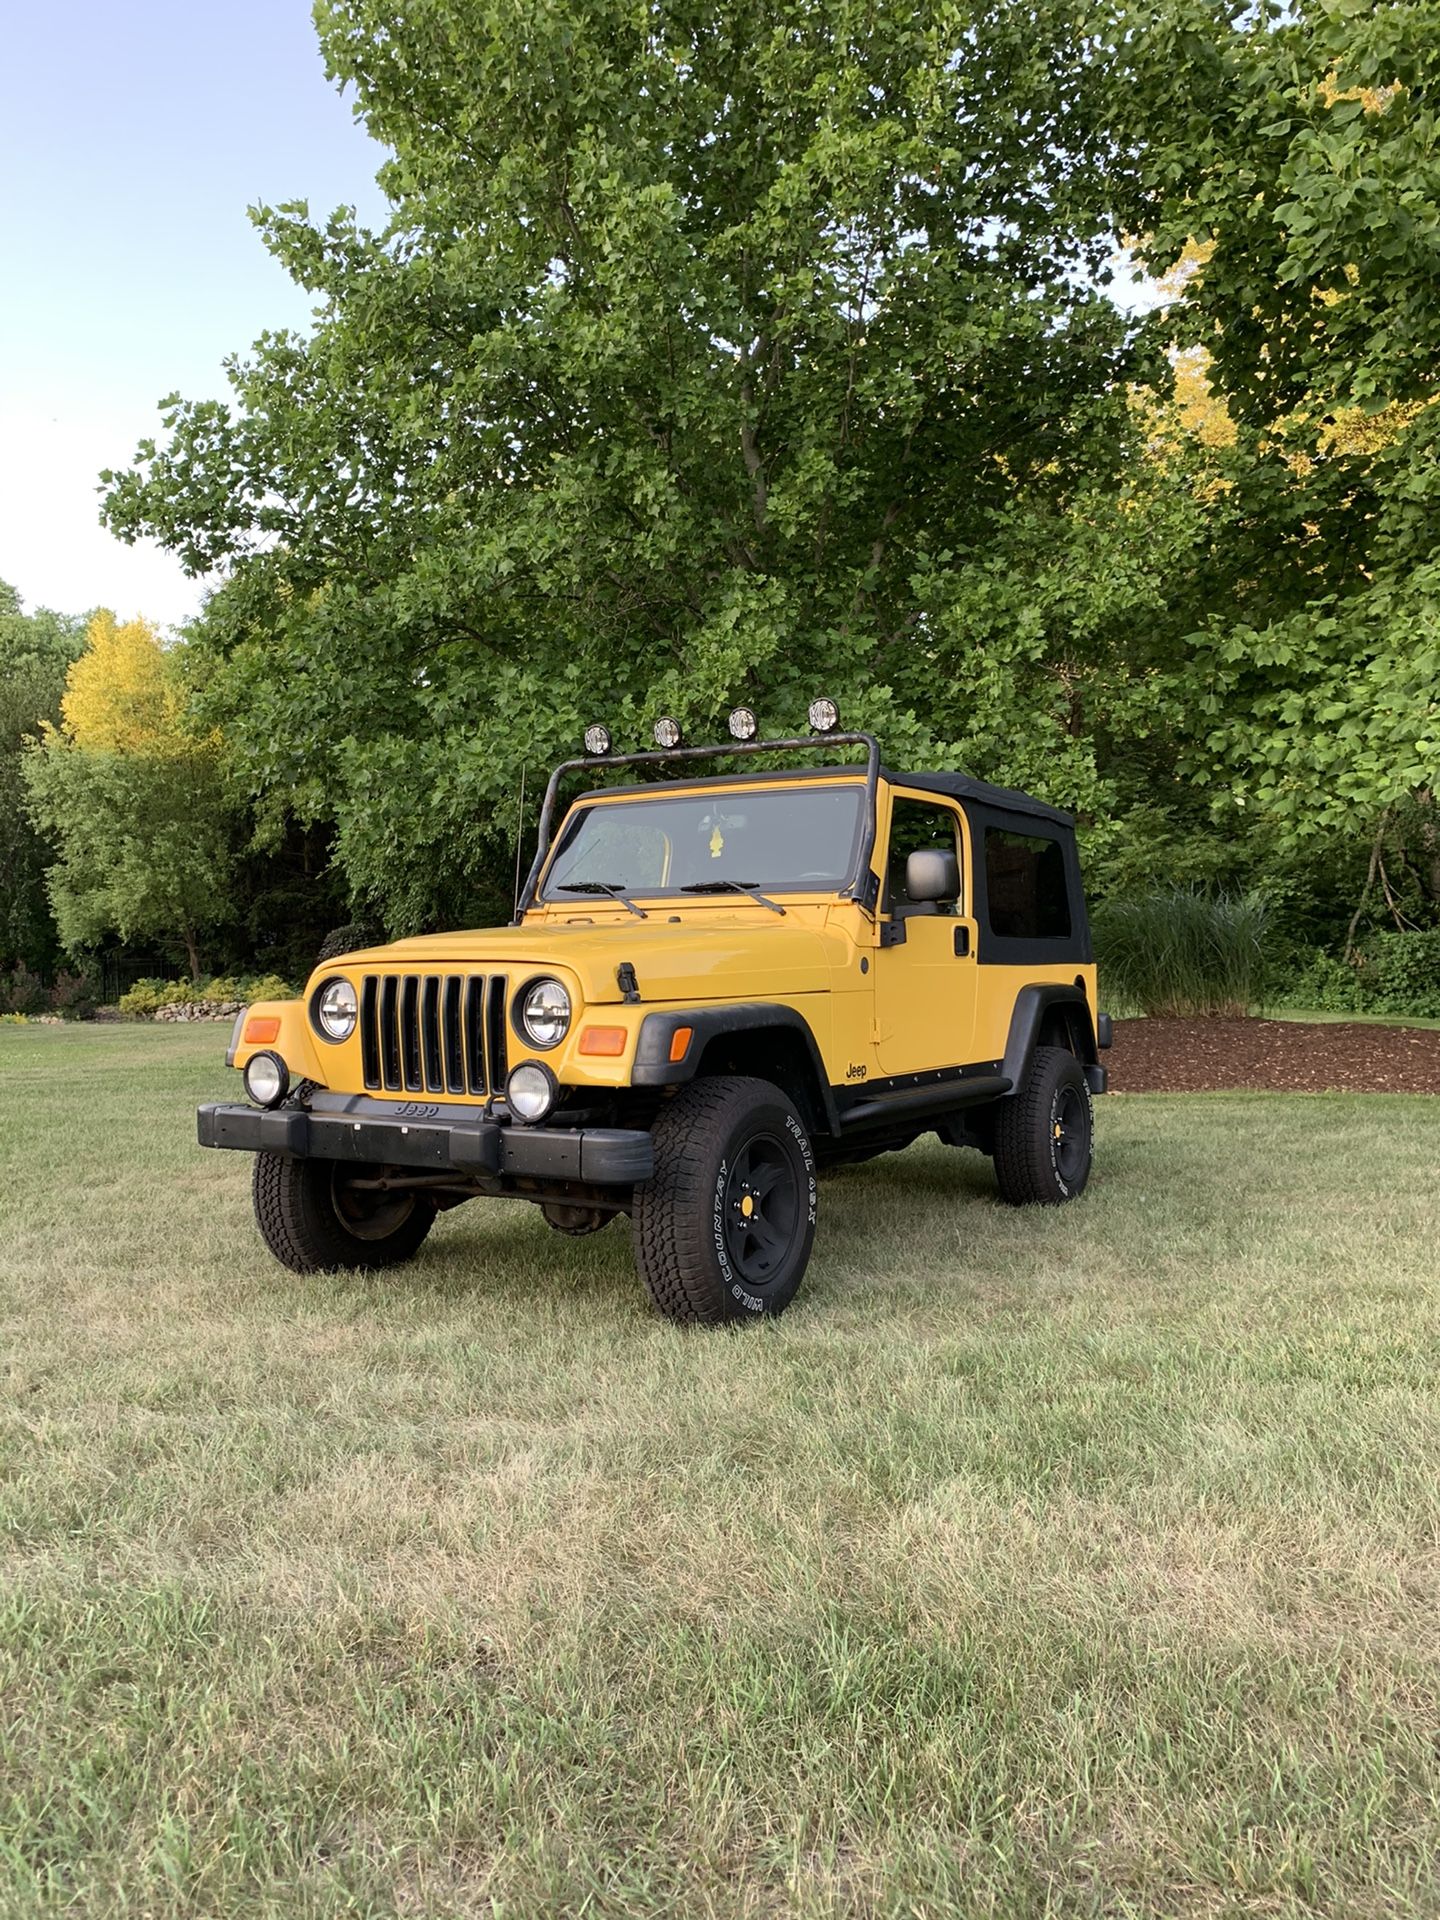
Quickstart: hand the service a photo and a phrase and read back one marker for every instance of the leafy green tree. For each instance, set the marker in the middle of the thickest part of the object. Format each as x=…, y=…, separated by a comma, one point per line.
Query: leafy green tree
x=1299, y=151
x=710, y=351
x=137, y=808
x=35, y=651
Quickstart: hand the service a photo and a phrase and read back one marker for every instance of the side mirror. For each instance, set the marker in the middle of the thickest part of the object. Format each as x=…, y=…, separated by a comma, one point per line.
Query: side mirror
x=932, y=874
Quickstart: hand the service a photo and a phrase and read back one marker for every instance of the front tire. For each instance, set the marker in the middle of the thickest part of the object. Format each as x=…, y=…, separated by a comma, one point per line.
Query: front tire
x=724, y=1228
x=1044, y=1133
x=314, y=1219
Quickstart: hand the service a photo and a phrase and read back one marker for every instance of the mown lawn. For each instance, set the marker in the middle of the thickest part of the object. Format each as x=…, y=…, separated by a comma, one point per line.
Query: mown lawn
x=1076, y=1563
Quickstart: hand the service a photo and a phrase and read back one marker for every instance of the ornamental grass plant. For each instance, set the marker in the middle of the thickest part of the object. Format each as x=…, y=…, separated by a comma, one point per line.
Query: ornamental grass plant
x=1182, y=951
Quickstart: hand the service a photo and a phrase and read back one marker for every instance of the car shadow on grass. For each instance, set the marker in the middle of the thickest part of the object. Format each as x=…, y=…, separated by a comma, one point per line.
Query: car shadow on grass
x=871, y=1215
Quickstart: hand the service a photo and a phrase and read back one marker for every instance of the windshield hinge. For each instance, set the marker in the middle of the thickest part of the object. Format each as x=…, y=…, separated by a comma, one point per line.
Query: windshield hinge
x=625, y=979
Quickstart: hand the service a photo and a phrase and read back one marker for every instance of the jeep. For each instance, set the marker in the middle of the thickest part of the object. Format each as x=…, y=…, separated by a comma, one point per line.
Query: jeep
x=713, y=989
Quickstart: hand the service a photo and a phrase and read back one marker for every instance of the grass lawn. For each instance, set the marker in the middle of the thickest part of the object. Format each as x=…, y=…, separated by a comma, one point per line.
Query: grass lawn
x=1074, y=1562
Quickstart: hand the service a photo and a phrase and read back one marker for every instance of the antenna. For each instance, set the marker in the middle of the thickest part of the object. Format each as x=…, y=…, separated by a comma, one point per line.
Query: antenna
x=519, y=841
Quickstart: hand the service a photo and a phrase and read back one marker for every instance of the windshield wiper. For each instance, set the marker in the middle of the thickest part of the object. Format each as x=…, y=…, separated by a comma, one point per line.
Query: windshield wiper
x=750, y=888
x=610, y=888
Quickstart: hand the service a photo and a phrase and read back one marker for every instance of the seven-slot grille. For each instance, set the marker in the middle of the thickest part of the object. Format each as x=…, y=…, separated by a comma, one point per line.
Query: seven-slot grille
x=433, y=1032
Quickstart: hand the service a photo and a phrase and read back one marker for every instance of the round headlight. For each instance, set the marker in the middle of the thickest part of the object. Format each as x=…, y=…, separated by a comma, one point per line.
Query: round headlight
x=545, y=1013
x=824, y=715
x=267, y=1079
x=337, y=1010
x=667, y=732
x=743, y=724
x=597, y=740
x=530, y=1091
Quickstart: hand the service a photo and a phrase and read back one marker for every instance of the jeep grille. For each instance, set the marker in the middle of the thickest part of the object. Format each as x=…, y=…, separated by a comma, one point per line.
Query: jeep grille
x=433, y=1032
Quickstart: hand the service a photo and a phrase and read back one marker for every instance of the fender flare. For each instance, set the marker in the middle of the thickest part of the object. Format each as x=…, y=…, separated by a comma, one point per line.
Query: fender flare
x=653, y=1066
x=1031, y=1005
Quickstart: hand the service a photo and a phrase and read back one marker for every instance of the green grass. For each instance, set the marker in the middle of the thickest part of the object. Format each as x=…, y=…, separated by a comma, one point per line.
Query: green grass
x=1315, y=1016
x=1071, y=1563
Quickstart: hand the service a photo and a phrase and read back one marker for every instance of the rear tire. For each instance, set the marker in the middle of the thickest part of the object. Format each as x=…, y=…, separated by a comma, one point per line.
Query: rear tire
x=1044, y=1133
x=313, y=1220
x=724, y=1228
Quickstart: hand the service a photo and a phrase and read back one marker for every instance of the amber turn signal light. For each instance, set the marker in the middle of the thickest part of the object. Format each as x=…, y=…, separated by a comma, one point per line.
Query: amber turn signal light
x=606, y=1040
x=261, y=1029
x=680, y=1042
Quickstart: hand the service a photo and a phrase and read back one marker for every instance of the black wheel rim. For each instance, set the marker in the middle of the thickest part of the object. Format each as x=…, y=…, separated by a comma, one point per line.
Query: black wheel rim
x=369, y=1213
x=1070, y=1134
x=761, y=1209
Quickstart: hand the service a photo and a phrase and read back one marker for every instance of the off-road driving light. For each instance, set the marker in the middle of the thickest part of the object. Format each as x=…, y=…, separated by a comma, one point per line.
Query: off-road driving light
x=824, y=716
x=530, y=1092
x=597, y=740
x=337, y=1010
x=743, y=724
x=545, y=1013
x=667, y=732
x=267, y=1079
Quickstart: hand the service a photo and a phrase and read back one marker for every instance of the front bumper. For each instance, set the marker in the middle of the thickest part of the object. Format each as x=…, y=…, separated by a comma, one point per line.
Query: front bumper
x=469, y=1143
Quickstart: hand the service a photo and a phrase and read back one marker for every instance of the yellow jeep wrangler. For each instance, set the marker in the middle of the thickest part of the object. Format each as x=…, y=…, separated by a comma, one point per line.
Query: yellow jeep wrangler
x=713, y=989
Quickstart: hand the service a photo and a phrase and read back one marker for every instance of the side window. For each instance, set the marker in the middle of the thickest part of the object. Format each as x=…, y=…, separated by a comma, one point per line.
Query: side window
x=915, y=824
x=1025, y=886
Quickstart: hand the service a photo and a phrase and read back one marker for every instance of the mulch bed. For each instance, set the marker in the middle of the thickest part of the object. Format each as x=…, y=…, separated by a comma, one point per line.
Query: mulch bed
x=1271, y=1056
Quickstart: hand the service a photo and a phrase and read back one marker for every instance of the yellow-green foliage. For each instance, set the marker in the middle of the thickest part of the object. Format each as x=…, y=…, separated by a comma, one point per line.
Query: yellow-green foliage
x=123, y=694
x=147, y=997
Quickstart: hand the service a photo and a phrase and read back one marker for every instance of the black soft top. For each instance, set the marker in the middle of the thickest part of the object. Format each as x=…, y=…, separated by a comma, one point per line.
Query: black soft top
x=955, y=786
x=963, y=786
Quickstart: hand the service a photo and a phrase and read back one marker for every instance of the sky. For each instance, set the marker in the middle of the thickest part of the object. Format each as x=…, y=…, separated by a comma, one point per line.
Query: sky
x=132, y=140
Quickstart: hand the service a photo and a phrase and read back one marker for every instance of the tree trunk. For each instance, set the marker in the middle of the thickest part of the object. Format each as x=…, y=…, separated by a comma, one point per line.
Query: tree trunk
x=1375, y=853
x=193, y=952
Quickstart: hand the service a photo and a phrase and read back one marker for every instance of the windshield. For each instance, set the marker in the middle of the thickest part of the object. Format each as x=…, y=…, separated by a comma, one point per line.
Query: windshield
x=772, y=838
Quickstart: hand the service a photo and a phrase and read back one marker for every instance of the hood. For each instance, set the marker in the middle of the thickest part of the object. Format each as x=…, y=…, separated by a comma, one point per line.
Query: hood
x=723, y=958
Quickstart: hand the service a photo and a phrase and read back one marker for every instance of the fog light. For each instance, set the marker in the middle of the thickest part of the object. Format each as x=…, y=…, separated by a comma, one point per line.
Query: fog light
x=824, y=715
x=267, y=1079
x=667, y=733
x=743, y=724
x=597, y=740
x=531, y=1091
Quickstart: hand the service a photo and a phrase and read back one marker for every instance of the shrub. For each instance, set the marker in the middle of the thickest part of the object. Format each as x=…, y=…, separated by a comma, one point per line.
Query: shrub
x=1393, y=973
x=1400, y=973
x=1182, y=951
x=21, y=991
x=147, y=997
x=1319, y=982
x=74, y=995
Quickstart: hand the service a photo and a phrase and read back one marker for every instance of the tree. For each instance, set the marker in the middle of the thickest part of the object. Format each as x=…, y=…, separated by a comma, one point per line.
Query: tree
x=35, y=651
x=709, y=352
x=1301, y=157
x=137, y=808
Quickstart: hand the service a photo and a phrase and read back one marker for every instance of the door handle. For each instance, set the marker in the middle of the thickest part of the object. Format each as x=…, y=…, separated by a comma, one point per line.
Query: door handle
x=962, y=941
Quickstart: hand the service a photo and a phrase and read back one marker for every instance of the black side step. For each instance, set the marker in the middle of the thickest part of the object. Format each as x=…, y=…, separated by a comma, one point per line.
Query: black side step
x=903, y=1102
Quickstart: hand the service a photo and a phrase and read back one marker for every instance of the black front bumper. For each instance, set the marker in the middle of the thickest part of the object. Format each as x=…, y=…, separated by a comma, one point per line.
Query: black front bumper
x=469, y=1143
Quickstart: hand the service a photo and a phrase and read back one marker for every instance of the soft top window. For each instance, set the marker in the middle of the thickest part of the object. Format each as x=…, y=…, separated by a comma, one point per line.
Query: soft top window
x=770, y=837
x=1025, y=886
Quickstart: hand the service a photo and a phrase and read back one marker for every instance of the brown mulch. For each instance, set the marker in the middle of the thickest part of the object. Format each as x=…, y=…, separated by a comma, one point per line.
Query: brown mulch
x=1273, y=1056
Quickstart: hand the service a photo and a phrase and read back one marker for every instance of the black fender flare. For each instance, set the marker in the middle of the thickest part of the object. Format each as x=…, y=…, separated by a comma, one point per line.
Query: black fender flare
x=653, y=1066
x=1032, y=1003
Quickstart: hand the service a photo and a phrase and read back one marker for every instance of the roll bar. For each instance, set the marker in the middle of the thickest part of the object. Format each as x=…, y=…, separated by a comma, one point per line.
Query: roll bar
x=860, y=885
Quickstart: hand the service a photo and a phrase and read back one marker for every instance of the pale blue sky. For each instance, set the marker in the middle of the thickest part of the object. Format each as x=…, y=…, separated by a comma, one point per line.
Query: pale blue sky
x=132, y=139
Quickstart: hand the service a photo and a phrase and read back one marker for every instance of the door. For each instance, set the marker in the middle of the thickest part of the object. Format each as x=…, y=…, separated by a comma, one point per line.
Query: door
x=926, y=980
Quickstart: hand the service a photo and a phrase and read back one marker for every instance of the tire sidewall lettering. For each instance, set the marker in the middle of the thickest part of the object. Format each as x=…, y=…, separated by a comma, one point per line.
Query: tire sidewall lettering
x=734, y=1286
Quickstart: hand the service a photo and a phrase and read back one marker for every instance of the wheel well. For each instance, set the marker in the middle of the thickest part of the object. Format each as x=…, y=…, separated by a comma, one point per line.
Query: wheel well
x=1067, y=1024
x=777, y=1054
